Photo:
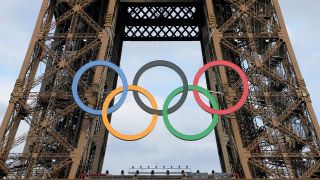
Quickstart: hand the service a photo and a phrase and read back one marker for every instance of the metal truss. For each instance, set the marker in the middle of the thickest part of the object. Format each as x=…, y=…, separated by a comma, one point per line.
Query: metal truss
x=170, y=21
x=172, y=33
x=274, y=135
x=60, y=141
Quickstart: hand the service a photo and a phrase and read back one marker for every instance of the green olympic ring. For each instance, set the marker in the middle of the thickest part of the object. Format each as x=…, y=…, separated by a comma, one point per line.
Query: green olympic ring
x=183, y=136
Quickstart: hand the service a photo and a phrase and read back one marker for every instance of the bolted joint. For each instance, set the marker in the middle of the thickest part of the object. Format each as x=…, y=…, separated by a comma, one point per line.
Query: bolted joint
x=303, y=93
x=243, y=8
x=17, y=92
x=18, y=85
x=212, y=20
x=76, y=8
x=62, y=64
x=302, y=84
x=44, y=124
x=103, y=34
x=34, y=155
x=274, y=123
x=307, y=99
x=109, y=18
x=257, y=63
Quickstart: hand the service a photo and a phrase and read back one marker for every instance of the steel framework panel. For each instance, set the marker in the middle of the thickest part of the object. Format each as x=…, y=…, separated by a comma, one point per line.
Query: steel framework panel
x=274, y=135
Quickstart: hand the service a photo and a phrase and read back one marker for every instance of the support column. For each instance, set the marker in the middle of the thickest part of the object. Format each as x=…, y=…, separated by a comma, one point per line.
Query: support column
x=216, y=38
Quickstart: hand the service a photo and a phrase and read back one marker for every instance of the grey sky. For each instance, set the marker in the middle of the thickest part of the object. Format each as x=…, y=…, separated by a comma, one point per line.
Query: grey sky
x=17, y=19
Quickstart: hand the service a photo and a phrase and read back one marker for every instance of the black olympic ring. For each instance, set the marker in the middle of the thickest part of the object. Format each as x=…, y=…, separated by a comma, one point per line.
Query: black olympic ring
x=165, y=64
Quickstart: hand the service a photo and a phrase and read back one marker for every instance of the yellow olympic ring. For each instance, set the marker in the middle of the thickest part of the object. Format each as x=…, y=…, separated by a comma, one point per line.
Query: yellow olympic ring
x=117, y=133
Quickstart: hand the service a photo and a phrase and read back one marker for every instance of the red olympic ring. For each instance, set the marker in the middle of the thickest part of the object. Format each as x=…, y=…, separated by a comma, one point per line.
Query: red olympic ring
x=244, y=81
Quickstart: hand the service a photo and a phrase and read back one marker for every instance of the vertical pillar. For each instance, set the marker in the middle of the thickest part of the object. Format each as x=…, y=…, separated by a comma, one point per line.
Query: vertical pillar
x=216, y=38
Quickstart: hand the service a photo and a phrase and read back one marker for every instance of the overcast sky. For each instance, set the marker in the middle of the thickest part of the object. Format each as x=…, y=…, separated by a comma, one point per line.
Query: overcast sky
x=17, y=19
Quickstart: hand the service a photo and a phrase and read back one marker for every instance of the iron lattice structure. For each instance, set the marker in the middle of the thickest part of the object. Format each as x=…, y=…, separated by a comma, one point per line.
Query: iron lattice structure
x=274, y=135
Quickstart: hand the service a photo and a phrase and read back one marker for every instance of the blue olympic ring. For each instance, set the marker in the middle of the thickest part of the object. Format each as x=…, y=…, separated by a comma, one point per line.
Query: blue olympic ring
x=82, y=70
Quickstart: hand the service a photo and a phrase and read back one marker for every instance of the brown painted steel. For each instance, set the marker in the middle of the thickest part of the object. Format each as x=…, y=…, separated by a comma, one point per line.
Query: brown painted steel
x=274, y=135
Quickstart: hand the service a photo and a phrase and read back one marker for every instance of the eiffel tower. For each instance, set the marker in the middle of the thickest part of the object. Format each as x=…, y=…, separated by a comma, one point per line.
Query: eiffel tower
x=274, y=135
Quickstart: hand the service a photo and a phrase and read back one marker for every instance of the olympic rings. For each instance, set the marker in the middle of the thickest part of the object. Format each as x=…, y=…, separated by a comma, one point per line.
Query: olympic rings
x=154, y=110
x=82, y=70
x=244, y=81
x=115, y=132
x=171, y=66
x=180, y=135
